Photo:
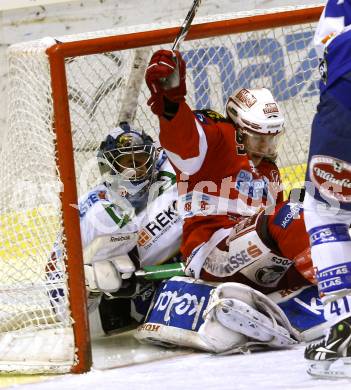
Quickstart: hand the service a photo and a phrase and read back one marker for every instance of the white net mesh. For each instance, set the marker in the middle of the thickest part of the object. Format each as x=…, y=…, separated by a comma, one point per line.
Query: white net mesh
x=33, y=288
x=282, y=60
x=104, y=89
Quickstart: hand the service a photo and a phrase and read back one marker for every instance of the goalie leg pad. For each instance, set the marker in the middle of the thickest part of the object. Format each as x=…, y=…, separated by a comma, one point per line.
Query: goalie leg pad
x=304, y=309
x=240, y=317
x=252, y=314
x=184, y=313
x=177, y=314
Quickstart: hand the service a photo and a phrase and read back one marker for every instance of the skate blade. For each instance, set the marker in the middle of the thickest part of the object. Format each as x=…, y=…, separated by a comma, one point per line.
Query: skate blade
x=338, y=369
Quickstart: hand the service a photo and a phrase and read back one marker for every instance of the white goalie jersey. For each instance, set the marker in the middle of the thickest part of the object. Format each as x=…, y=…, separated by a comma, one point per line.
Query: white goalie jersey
x=109, y=223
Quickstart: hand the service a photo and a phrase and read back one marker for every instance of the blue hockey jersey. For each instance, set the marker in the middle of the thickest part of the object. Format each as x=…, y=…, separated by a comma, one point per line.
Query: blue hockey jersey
x=333, y=42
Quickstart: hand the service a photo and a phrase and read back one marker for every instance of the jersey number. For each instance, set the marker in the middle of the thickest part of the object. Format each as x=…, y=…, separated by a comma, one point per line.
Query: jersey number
x=240, y=149
x=334, y=307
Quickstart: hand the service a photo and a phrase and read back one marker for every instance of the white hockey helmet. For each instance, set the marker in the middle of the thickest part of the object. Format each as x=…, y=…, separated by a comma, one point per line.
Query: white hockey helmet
x=258, y=116
x=255, y=110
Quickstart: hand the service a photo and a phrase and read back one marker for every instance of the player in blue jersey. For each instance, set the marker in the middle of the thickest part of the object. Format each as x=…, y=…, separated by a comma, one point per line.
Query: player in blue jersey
x=328, y=200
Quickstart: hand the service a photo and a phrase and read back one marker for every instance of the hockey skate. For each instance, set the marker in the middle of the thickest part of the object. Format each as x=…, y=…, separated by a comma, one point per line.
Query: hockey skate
x=331, y=357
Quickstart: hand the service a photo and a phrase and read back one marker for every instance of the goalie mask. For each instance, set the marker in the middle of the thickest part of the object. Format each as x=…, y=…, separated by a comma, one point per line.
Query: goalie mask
x=259, y=120
x=127, y=159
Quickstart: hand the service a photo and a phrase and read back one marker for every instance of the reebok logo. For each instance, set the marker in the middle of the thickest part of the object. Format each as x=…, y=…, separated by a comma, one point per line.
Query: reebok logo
x=120, y=238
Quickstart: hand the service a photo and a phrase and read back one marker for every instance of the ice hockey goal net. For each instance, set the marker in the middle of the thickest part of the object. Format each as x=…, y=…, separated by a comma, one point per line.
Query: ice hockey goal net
x=65, y=96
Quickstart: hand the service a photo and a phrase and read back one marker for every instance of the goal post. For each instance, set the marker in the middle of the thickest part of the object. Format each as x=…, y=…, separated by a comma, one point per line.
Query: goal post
x=65, y=95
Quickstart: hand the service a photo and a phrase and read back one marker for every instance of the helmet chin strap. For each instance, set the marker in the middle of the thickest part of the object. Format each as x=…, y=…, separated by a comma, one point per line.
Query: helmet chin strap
x=256, y=159
x=256, y=155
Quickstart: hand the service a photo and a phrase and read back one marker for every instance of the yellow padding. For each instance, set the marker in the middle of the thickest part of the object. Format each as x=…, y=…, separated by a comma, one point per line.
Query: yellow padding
x=292, y=177
x=28, y=233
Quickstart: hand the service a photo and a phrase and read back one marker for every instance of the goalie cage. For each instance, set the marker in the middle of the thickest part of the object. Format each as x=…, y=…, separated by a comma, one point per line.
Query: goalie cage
x=64, y=97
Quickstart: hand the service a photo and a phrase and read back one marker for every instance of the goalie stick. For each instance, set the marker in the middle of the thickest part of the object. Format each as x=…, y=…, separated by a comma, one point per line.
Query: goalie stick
x=163, y=271
x=132, y=87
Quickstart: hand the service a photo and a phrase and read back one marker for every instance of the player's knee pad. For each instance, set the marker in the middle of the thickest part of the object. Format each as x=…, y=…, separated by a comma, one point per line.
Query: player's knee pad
x=333, y=261
x=250, y=253
x=228, y=317
x=316, y=213
x=304, y=309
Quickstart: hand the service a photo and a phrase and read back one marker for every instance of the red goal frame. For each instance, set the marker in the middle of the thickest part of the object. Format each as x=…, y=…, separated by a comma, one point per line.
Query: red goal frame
x=62, y=125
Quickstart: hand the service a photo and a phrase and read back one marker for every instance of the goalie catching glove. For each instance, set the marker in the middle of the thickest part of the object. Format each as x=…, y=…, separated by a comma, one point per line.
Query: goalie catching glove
x=108, y=274
x=165, y=78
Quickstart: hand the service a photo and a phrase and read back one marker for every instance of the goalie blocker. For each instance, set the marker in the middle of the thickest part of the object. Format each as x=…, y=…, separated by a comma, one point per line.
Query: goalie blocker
x=228, y=317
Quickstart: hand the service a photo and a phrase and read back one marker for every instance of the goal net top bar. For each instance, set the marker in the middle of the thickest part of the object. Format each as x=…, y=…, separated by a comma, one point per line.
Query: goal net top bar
x=230, y=24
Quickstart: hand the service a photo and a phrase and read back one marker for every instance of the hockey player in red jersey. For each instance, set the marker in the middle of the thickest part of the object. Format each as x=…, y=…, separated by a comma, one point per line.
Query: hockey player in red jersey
x=236, y=225
x=241, y=241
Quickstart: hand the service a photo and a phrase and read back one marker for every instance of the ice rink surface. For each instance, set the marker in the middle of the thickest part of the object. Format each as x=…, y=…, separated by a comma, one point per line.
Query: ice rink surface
x=272, y=370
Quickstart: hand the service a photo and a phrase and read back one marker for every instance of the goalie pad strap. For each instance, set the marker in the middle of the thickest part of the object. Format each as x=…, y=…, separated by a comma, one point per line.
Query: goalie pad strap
x=251, y=313
x=240, y=317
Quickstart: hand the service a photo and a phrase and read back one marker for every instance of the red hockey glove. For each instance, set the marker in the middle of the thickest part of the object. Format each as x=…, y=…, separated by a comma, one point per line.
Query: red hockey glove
x=165, y=77
x=303, y=263
x=157, y=104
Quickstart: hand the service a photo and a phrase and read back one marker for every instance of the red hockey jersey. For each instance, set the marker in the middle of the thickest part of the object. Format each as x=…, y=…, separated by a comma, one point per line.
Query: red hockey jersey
x=217, y=183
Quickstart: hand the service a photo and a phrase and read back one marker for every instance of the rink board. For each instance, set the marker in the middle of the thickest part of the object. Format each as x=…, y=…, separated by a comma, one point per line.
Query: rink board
x=7, y=5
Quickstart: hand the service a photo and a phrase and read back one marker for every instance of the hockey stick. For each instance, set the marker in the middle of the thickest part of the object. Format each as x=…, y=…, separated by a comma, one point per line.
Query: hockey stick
x=162, y=271
x=129, y=102
x=184, y=29
x=173, y=80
